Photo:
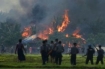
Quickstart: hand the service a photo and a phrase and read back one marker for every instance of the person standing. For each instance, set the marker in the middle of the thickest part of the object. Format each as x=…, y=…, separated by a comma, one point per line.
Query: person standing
x=2, y=49
x=51, y=52
x=43, y=51
x=74, y=51
x=30, y=50
x=100, y=55
x=20, y=51
x=89, y=54
x=59, y=51
x=54, y=49
x=48, y=47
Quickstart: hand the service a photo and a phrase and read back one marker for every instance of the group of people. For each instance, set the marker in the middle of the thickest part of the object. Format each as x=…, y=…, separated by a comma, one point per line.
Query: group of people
x=90, y=53
x=55, y=50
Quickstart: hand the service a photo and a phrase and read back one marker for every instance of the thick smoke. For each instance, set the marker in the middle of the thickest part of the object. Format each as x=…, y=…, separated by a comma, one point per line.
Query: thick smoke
x=84, y=14
x=36, y=11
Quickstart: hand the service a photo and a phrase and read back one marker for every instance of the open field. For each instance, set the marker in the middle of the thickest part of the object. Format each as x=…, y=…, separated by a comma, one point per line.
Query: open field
x=34, y=61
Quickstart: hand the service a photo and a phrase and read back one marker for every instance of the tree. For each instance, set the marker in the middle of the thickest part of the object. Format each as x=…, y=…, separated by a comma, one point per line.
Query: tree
x=9, y=33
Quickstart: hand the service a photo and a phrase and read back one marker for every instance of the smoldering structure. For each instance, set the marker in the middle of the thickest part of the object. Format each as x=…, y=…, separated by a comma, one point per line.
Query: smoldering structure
x=83, y=14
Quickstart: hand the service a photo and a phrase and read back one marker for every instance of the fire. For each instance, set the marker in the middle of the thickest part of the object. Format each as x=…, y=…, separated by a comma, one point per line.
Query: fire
x=77, y=35
x=26, y=32
x=67, y=35
x=45, y=34
x=50, y=31
x=64, y=23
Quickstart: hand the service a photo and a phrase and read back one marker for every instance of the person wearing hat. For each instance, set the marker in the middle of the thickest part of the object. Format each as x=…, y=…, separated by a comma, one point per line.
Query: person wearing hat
x=89, y=54
x=100, y=55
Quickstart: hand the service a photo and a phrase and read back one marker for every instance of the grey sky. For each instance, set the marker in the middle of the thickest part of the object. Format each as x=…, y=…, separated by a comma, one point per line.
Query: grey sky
x=6, y=5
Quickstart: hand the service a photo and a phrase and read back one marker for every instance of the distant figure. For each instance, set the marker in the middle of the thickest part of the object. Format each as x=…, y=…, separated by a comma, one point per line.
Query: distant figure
x=25, y=48
x=89, y=54
x=2, y=49
x=12, y=49
x=59, y=51
x=20, y=50
x=30, y=50
x=100, y=55
x=83, y=50
x=69, y=50
x=74, y=51
x=43, y=51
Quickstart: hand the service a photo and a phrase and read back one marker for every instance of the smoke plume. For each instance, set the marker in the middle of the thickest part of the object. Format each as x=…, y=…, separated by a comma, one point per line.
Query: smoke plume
x=84, y=14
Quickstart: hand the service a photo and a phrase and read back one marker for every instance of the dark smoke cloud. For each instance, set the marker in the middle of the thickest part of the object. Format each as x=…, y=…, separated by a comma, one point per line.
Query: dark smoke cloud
x=83, y=13
x=37, y=11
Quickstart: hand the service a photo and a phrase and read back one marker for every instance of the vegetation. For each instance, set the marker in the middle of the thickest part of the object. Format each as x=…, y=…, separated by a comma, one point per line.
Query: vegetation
x=9, y=33
x=34, y=61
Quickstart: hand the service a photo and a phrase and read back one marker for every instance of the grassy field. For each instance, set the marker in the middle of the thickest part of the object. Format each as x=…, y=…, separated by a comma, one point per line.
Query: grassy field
x=34, y=61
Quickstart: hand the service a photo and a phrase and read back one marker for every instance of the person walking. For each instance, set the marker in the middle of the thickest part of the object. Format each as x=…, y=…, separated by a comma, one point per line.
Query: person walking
x=20, y=51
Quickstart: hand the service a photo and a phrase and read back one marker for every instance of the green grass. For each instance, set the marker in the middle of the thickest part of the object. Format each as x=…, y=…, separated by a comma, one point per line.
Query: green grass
x=34, y=61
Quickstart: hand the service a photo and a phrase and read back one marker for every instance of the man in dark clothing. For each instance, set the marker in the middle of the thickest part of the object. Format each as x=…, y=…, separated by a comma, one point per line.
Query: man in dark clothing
x=54, y=49
x=89, y=54
x=100, y=55
x=48, y=47
x=20, y=50
x=74, y=51
x=43, y=51
x=59, y=51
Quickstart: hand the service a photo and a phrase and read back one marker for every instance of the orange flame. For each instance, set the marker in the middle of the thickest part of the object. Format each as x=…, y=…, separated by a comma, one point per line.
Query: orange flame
x=77, y=35
x=45, y=34
x=64, y=23
x=26, y=32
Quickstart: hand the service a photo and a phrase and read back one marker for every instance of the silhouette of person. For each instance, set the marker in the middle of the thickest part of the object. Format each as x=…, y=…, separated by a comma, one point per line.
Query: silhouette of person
x=20, y=50
x=2, y=48
x=59, y=51
x=100, y=55
x=74, y=51
x=89, y=54
x=48, y=47
x=54, y=49
x=43, y=51
x=51, y=52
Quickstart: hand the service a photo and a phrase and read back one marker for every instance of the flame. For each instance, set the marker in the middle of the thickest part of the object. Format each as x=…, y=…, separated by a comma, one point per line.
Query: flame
x=45, y=34
x=77, y=35
x=67, y=35
x=64, y=23
x=26, y=32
